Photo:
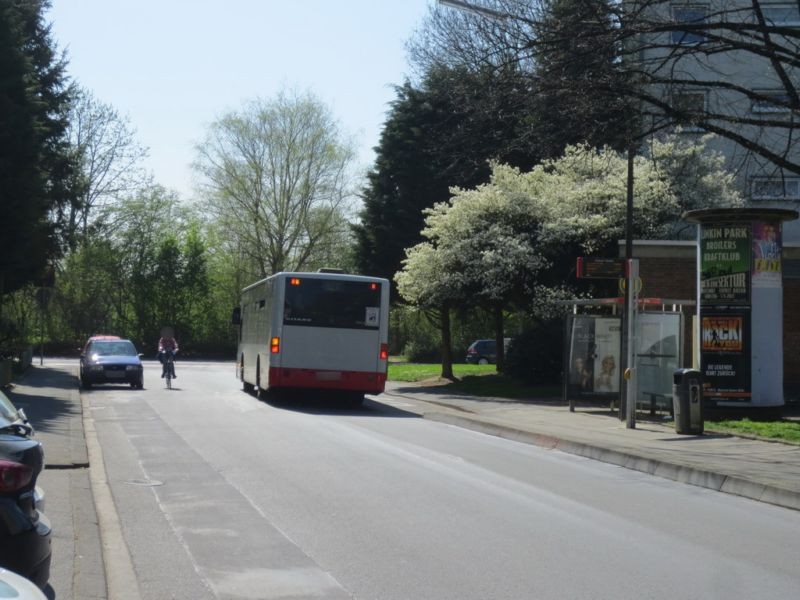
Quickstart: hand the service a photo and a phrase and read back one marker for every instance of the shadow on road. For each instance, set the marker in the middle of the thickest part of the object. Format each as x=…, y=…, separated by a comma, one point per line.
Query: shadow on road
x=316, y=403
x=44, y=411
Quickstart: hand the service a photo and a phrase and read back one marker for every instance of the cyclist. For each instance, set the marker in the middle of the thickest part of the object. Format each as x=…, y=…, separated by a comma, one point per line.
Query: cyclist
x=167, y=343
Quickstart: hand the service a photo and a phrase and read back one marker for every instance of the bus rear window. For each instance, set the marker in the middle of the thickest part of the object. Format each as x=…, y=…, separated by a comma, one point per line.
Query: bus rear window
x=332, y=303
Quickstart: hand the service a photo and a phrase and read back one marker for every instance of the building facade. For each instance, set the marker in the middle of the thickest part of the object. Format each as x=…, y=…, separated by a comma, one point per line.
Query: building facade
x=727, y=67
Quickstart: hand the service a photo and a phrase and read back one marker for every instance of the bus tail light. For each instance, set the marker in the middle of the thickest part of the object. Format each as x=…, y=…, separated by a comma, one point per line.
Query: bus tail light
x=384, y=352
x=294, y=281
x=275, y=345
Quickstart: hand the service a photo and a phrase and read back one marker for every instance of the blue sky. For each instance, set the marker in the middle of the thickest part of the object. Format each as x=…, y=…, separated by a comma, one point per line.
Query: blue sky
x=173, y=66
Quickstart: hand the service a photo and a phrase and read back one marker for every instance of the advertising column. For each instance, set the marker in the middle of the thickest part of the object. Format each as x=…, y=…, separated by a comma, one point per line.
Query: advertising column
x=725, y=313
x=740, y=298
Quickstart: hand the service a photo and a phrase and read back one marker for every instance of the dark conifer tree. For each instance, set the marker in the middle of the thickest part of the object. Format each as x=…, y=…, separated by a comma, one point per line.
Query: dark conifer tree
x=438, y=134
x=35, y=163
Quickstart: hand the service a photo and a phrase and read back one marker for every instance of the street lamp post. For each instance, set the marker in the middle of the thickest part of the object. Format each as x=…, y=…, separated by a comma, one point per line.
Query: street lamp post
x=630, y=304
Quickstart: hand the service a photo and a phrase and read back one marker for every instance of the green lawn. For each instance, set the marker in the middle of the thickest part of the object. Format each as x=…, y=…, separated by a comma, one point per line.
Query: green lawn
x=478, y=380
x=403, y=371
x=781, y=430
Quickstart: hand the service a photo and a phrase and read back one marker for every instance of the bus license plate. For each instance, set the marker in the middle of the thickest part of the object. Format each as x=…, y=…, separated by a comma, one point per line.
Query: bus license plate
x=328, y=375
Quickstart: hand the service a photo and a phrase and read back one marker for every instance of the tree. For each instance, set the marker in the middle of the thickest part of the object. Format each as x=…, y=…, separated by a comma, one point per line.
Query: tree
x=276, y=179
x=504, y=242
x=109, y=161
x=427, y=281
x=35, y=162
x=488, y=240
x=661, y=55
x=577, y=77
x=151, y=270
x=440, y=132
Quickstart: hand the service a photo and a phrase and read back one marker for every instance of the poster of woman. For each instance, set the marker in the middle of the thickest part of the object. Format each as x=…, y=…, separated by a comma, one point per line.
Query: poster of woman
x=606, y=355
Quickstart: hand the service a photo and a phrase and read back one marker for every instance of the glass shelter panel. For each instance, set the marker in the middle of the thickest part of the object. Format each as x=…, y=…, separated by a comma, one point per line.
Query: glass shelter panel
x=658, y=356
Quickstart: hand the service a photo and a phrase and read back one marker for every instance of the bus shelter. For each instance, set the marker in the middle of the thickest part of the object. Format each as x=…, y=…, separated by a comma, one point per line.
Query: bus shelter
x=593, y=350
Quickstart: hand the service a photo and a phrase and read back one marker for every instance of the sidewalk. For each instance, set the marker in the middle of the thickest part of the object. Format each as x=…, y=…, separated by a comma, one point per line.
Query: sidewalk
x=50, y=398
x=756, y=469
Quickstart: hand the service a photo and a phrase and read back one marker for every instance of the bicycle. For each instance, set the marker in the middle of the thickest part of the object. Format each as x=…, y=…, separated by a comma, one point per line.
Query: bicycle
x=169, y=367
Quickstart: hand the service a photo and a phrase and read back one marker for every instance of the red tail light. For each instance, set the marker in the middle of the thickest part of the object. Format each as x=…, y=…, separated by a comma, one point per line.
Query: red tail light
x=384, y=352
x=275, y=345
x=14, y=476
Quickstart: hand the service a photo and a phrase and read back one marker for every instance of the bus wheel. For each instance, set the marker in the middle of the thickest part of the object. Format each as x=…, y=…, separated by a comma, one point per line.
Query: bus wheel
x=247, y=387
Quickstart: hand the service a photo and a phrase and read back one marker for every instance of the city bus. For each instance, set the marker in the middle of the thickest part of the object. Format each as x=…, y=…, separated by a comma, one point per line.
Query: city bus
x=324, y=331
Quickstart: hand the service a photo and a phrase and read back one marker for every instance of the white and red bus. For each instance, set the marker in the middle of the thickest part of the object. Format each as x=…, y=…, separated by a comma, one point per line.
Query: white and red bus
x=323, y=331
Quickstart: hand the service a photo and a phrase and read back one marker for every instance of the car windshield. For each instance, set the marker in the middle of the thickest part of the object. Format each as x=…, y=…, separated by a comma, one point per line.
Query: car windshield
x=120, y=348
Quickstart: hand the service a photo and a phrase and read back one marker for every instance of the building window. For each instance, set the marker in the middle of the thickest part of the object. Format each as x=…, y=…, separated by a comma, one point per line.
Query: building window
x=775, y=188
x=770, y=102
x=781, y=14
x=692, y=109
x=690, y=15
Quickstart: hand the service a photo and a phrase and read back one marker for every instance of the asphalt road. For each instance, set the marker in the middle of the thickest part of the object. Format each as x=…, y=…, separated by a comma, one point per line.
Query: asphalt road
x=221, y=495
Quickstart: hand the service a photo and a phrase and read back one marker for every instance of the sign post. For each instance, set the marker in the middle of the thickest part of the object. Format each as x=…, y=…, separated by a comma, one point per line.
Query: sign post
x=630, y=371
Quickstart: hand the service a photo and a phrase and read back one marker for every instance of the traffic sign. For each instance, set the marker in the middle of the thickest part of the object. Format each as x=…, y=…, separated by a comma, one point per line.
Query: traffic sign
x=600, y=268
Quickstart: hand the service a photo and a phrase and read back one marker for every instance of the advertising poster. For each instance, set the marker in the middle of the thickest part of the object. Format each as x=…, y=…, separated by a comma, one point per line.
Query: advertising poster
x=767, y=254
x=607, y=348
x=582, y=355
x=725, y=349
x=725, y=264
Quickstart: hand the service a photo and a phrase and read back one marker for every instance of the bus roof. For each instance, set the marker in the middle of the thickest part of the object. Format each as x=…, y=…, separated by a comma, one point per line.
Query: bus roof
x=315, y=275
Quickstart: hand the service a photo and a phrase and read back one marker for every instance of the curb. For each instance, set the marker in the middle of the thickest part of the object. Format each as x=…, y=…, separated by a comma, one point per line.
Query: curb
x=720, y=482
x=121, y=583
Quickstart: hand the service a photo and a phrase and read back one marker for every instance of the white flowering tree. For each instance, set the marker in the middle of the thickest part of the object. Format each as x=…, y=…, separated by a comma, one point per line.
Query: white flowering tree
x=481, y=249
x=513, y=240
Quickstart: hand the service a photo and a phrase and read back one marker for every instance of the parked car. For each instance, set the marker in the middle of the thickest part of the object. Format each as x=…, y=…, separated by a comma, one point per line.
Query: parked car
x=15, y=586
x=484, y=352
x=111, y=361
x=24, y=529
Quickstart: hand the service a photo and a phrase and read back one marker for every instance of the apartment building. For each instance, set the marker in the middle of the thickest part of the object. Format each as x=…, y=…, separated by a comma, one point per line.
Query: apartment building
x=728, y=67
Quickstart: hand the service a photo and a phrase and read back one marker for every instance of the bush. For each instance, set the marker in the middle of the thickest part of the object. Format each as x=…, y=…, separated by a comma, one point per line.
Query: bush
x=413, y=335
x=535, y=356
x=420, y=352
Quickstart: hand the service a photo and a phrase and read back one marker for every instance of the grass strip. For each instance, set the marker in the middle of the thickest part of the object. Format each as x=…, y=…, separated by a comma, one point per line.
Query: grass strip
x=478, y=380
x=784, y=430
x=420, y=372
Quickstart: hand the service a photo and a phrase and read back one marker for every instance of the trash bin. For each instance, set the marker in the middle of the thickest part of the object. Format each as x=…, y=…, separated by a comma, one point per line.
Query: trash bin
x=687, y=401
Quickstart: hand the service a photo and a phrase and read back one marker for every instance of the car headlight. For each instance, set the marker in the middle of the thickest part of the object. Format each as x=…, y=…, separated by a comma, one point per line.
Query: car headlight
x=96, y=368
x=132, y=368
